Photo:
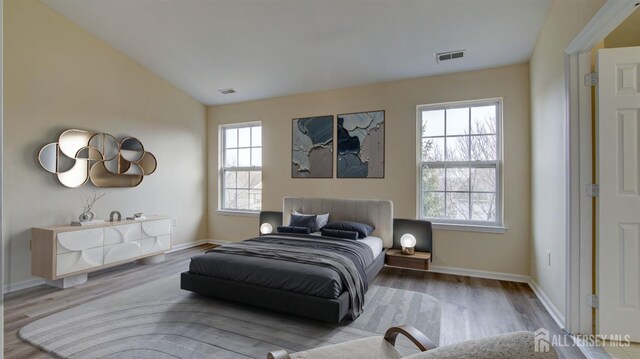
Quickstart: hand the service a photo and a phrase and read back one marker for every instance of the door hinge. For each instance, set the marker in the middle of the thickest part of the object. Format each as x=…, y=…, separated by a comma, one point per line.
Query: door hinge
x=591, y=79
x=592, y=190
x=592, y=301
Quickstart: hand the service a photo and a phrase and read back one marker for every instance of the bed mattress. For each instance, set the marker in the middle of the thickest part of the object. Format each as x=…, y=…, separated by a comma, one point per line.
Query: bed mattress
x=302, y=278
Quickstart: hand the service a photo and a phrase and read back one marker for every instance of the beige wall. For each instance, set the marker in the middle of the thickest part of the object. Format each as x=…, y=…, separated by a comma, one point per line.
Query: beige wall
x=507, y=252
x=548, y=143
x=58, y=76
x=626, y=34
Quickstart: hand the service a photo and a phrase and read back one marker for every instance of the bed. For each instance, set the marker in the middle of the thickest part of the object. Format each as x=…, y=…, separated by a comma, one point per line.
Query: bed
x=284, y=280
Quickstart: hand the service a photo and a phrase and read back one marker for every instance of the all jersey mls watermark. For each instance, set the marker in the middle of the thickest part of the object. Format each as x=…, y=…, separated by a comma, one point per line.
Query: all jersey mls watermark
x=543, y=340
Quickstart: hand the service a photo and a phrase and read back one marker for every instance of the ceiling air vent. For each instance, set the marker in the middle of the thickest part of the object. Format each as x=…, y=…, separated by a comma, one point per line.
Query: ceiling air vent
x=227, y=91
x=451, y=55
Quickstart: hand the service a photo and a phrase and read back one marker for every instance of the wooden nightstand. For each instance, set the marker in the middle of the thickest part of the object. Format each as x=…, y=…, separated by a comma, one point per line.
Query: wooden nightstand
x=419, y=260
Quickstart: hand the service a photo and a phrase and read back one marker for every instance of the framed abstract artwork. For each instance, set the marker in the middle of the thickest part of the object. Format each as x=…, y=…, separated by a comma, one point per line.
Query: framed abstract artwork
x=312, y=147
x=361, y=145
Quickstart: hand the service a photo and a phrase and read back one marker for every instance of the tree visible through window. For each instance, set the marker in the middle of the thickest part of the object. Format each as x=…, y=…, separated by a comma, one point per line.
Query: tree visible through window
x=460, y=162
x=241, y=167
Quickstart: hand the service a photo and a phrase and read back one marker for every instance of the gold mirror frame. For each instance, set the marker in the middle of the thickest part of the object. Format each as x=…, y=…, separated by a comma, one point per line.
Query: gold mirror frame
x=97, y=157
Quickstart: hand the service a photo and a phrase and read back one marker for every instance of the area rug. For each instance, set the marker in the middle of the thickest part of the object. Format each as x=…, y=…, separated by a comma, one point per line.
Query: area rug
x=159, y=320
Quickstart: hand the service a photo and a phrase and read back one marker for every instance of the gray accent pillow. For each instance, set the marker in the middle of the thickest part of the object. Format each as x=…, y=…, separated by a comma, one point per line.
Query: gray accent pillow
x=363, y=229
x=336, y=233
x=304, y=221
x=321, y=219
x=291, y=229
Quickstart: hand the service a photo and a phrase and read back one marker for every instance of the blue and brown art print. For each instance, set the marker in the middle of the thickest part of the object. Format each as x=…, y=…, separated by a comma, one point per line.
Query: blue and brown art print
x=312, y=147
x=361, y=145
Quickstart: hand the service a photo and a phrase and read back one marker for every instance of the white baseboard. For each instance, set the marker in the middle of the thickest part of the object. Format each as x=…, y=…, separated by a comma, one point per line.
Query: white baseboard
x=182, y=246
x=218, y=241
x=547, y=303
x=481, y=274
x=14, y=287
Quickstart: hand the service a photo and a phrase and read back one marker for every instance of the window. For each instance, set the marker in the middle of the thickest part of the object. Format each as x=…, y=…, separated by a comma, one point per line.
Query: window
x=241, y=167
x=460, y=158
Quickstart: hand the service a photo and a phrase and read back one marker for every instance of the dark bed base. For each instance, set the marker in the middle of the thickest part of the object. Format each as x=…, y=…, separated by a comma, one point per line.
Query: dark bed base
x=324, y=309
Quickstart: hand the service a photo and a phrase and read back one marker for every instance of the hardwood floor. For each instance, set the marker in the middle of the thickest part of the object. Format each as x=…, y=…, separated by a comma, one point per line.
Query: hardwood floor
x=471, y=307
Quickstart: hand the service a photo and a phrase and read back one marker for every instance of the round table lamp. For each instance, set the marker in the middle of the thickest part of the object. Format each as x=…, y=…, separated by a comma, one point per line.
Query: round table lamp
x=266, y=228
x=408, y=243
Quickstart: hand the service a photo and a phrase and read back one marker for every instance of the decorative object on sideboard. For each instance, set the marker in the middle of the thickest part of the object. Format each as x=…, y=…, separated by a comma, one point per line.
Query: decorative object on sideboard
x=408, y=243
x=312, y=147
x=88, y=217
x=361, y=145
x=138, y=217
x=80, y=156
x=269, y=221
x=114, y=213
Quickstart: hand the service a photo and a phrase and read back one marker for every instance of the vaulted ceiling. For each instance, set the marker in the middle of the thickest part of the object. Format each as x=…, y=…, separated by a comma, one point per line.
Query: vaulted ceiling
x=268, y=48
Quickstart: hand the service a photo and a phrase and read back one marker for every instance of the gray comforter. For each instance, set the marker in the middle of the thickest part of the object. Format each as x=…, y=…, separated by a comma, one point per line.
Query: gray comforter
x=311, y=265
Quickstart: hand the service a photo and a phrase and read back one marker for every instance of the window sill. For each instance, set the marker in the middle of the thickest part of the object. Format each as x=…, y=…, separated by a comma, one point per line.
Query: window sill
x=227, y=212
x=469, y=228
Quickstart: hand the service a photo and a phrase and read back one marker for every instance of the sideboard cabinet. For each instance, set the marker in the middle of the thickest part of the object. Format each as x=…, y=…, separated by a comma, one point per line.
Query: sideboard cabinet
x=64, y=255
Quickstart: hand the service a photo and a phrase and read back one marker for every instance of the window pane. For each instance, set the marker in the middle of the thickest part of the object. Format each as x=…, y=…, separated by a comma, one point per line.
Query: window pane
x=255, y=200
x=457, y=205
x=483, y=148
x=229, y=179
x=458, y=121
x=433, y=123
x=243, y=199
x=433, y=204
x=433, y=149
x=230, y=158
x=244, y=157
x=230, y=199
x=483, y=119
x=255, y=180
x=483, y=207
x=457, y=148
x=483, y=179
x=458, y=179
x=231, y=137
x=433, y=179
x=243, y=179
x=244, y=137
x=256, y=136
x=256, y=157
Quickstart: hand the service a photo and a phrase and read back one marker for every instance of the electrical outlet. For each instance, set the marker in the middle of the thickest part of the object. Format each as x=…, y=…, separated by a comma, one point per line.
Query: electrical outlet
x=174, y=222
x=548, y=258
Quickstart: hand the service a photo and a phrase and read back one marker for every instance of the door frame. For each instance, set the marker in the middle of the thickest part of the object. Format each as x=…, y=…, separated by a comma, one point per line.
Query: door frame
x=578, y=270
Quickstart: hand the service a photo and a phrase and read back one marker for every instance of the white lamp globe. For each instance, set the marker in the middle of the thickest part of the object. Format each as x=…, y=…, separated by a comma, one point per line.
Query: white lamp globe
x=408, y=240
x=266, y=228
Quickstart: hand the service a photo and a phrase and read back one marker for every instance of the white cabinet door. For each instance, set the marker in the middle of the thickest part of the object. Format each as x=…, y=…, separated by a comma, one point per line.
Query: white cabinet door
x=619, y=200
x=121, y=252
x=79, y=240
x=122, y=233
x=156, y=228
x=156, y=244
x=78, y=260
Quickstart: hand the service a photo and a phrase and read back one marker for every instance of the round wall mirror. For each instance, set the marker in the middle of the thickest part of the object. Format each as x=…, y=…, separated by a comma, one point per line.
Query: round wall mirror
x=131, y=149
x=48, y=157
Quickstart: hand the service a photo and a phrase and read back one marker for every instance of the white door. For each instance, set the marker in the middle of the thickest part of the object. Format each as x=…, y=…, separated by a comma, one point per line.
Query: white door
x=619, y=202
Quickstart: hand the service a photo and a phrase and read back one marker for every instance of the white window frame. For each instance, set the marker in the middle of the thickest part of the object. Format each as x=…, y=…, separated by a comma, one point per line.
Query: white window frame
x=222, y=168
x=453, y=224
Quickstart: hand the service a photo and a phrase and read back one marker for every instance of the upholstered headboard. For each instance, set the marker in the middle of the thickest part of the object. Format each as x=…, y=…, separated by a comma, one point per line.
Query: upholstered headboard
x=372, y=211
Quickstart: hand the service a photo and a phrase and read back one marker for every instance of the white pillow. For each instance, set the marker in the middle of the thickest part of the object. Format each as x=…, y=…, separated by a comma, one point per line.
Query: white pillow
x=321, y=219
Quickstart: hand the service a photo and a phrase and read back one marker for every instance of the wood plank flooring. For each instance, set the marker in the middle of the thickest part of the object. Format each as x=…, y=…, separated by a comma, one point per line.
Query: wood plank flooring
x=471, y=307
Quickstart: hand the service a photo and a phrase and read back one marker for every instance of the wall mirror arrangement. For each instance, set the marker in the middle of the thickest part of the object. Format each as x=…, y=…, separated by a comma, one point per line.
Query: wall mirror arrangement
x=79, y=156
